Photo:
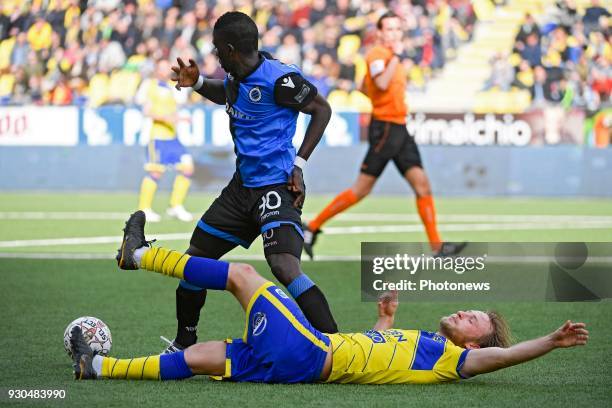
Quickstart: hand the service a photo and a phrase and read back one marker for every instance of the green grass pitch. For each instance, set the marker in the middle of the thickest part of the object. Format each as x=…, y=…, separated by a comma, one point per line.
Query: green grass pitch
x=39, y=297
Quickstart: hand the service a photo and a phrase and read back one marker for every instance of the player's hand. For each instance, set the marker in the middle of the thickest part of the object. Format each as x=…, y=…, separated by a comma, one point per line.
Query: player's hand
x=297, y=187
x=570, y=335
x=185, y=75
x=387, y=304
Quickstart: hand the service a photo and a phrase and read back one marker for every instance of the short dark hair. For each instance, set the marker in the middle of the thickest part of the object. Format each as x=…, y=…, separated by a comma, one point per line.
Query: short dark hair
x=239, y=30
x=388, y=14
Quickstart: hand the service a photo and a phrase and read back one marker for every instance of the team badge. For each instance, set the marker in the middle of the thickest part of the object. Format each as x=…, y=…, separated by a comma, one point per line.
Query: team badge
x=282, y=294
x=255, y=94
x=259, y=323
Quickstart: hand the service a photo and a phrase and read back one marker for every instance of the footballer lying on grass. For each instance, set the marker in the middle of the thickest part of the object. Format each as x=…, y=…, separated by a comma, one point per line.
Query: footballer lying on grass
x=280, y=346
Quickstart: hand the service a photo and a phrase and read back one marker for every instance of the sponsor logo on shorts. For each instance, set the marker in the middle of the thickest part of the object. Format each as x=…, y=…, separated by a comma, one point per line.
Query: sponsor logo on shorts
x=270, y=201
x=269, y=214
x=270, y=244
x=259, y=323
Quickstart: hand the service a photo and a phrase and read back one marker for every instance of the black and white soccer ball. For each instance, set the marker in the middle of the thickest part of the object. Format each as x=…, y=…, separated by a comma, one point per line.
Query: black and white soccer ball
x=95, y=331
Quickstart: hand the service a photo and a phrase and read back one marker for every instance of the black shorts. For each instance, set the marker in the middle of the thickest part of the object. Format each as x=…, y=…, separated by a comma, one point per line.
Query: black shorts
x=390, y=141
x=241, y=213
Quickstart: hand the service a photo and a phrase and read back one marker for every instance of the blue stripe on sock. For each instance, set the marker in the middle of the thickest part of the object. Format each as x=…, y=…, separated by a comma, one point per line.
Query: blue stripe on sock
x=275, y=224
x=206, y=273
x=223, y=235
x=300, y=285
x=189, y=286
x=174, y=367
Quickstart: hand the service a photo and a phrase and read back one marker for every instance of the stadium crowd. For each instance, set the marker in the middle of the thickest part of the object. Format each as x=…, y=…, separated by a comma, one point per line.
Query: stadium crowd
x=564, y=58
x=95, y=52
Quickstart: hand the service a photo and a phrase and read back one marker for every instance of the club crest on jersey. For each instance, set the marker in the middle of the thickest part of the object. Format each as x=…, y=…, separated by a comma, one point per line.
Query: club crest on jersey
x=255, y=94
x=259, y=323
x=280, y=293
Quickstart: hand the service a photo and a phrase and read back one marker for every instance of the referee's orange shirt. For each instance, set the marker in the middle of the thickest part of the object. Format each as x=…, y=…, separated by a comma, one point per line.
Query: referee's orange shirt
x=388, y=105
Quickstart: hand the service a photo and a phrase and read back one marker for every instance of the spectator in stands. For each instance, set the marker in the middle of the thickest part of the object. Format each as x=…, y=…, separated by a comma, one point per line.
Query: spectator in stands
x=502, y=74
x=98, y=37
x=289, y=51
x=540, y=91
x=21, y=49
x=592, y=16
x=39, y=34
x=528, y=28
x=531, y=51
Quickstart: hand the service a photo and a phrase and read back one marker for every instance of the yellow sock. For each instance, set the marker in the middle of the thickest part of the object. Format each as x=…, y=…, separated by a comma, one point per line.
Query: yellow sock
x=179, y=190
x=141, y=368
x=147, y=192
x=165, y=261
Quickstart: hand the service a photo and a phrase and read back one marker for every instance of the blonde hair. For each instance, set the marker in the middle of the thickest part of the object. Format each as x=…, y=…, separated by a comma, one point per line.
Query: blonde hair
x=500, y=335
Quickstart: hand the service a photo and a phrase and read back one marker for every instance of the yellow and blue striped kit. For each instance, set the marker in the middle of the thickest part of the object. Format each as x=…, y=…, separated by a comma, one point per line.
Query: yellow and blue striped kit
x=394, y=357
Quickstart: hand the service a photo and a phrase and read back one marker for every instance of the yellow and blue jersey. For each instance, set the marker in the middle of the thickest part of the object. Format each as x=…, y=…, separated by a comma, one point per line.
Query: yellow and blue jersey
x=394, y=357
x=279, y=345
x=164, y=148
x=161, y=101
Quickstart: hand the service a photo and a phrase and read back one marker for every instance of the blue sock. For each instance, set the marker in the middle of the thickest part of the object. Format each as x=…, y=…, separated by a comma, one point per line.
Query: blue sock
x=300, y=285
x=174, y=367
x=206, y=273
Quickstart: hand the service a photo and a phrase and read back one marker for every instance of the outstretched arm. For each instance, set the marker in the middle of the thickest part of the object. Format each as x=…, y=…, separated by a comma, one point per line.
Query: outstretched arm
x=187, y=76
x=486, y=360
x=387, y=306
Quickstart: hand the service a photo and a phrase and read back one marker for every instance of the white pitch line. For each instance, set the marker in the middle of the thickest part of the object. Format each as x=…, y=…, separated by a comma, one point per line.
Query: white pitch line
x=328, y=231
x=83, y=240
x=61, y=215
x=346, y=217
x=381, y=229
x=471, y=217
x=95, y=256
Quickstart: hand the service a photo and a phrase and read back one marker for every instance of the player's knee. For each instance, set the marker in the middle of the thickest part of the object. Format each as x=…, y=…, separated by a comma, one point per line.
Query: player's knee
x=241, y=272
x=186, y=166
x=285, y=267
x=155, y=175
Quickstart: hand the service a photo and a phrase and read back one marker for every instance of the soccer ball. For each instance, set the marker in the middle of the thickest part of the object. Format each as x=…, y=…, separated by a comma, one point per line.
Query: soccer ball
x=96, y=333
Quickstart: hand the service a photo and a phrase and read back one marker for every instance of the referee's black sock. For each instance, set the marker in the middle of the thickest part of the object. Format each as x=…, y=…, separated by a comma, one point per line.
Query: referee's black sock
x=316, y=309
x=188, y=305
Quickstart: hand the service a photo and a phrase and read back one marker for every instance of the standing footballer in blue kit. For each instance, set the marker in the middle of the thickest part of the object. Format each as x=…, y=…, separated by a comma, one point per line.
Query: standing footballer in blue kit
x=263, y=98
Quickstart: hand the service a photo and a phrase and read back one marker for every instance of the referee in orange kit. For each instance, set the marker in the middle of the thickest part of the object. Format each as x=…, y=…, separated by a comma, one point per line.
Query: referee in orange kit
x=385, y=85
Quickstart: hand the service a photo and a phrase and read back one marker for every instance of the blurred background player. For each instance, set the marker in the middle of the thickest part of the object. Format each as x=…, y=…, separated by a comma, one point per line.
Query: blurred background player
x=385, y=85
x=160, y=105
